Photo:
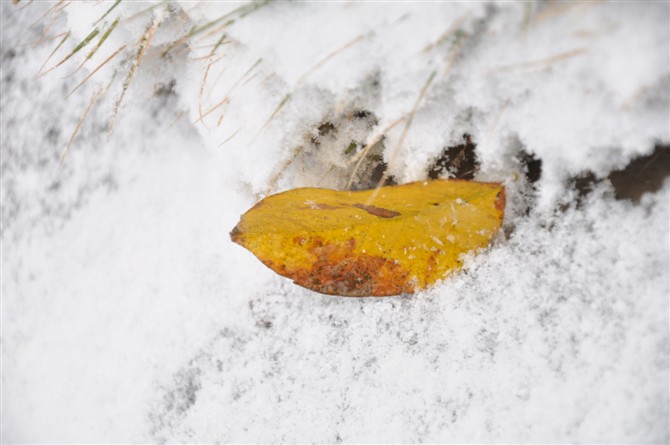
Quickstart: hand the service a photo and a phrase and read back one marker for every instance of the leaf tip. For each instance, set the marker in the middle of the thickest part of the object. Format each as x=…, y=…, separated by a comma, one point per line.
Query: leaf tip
x=236, y=235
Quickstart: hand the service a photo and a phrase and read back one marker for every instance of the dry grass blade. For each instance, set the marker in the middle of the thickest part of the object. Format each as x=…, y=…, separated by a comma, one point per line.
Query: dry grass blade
x=492, y=128
x=96, y=70
x=218, y=77
x=325, y=175
x=447, y=34
x=65, y=37
x=405, y=129
x=194, y=31
x=249, y=79
x=213, y=31
x=185, y=38
x=267, y=78
x=42, y=39
x=76, y=49
x=55, y=8
x=202, y=90
x=451, y=58
x=242, y=11
x=331, y=55
x=272, y=116
x=272, y=184
x=224, y=101
x=534, y=64
x=226, y=98
x=206, y=57
x=558, y=8
x=199, y=29
x=144, y=44
x=363, y=153
x=237, y=82
x=246, y=73
x=44, y=33
x=230, y=137
x=95, y=97
x=25, y=5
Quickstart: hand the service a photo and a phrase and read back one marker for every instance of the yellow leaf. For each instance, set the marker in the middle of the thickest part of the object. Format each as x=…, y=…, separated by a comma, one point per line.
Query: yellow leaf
x=389, y=241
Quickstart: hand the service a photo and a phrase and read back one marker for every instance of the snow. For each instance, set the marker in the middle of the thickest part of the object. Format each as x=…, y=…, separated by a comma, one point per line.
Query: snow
x=128, y=315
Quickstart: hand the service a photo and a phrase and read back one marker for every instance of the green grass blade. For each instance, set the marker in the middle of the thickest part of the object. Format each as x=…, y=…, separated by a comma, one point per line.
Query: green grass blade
x=81, y=44
x=116, y=3
x=103, y=38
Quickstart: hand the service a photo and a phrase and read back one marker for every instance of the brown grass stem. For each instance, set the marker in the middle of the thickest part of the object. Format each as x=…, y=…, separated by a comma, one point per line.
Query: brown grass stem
x=143, y=45
x=405, y=130
x=94, y=98
x=96, y=70
x=541, y=63
x=364, y=152
x=323, y=61
x=65, y=37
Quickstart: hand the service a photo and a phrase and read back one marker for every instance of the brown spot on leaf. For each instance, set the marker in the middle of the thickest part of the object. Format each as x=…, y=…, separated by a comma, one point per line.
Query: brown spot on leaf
x=377, y=211
x=339, y=270
x=321, y=206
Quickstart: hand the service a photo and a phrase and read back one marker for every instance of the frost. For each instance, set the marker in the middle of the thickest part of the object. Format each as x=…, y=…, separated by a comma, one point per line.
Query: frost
x=128, y=316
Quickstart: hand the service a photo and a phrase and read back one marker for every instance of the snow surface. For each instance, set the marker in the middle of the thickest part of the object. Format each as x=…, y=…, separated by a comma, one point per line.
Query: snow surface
x=129, y=316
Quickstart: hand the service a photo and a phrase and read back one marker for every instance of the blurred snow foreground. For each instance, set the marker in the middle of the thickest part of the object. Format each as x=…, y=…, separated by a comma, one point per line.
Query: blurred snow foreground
x=128, y=315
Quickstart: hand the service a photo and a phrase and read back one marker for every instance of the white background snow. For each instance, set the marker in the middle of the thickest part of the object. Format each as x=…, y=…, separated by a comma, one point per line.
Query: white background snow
x=128, y=315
